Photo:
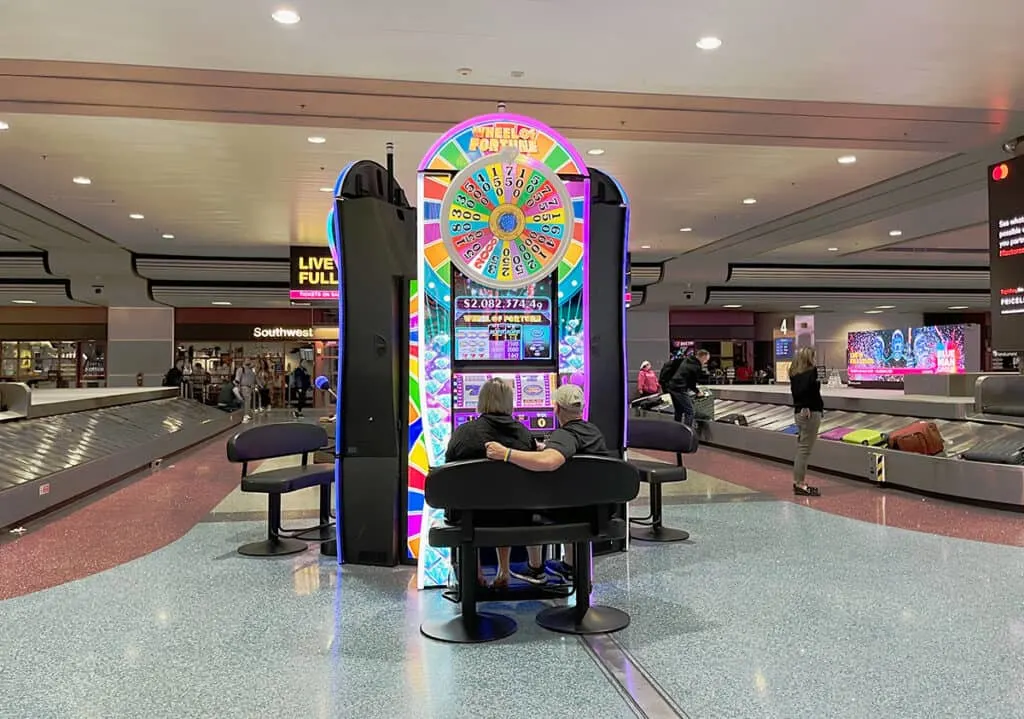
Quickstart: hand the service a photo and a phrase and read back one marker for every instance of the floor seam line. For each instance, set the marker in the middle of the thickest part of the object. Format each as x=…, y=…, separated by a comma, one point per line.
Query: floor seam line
x=622, y=691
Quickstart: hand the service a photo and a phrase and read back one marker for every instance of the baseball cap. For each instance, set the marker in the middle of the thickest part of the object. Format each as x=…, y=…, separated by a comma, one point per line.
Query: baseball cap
x=569, y=396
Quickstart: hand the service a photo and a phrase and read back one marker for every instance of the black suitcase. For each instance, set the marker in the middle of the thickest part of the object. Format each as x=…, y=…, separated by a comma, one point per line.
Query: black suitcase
x=1005, y=450
x=737, y=419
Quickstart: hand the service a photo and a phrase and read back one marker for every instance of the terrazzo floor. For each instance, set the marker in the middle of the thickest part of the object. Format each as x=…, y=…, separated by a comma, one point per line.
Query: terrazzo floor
x=772, y=610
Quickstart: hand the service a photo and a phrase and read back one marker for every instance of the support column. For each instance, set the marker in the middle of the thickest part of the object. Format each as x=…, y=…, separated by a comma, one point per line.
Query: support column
x=139, y=339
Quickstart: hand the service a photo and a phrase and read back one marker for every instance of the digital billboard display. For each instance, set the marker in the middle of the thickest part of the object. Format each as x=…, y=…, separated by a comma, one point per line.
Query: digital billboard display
x=1006, y=253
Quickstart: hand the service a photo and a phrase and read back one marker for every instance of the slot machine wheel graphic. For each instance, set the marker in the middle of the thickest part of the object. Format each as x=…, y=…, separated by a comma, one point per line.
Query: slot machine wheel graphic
x=506, y=220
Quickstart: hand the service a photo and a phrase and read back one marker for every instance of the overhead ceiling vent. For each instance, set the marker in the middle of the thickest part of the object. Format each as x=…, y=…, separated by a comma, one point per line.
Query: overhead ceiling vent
x=842, y=299
x=24, y=265
x=637, y=296
x=935, y=250
x=46, y=293
x=643, y=274
x=210, y=269
x=897, y=278
x=240, y=295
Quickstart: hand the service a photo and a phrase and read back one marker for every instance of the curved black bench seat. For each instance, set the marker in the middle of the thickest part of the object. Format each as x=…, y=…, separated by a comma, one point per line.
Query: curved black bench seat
x=283, y=439
x=575, y=504
x=662, y=436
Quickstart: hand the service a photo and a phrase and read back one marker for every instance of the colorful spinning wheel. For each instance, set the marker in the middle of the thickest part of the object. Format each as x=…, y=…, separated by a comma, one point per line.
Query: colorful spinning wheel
x=506, y=220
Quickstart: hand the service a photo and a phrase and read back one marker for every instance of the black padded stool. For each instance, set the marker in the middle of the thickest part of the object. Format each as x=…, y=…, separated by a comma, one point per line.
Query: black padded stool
x=581, y=497
x=282, y=439
x=663, y=436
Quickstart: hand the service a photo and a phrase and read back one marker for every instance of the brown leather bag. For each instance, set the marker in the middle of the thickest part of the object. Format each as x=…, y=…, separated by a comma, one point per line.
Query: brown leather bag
x=919, y=437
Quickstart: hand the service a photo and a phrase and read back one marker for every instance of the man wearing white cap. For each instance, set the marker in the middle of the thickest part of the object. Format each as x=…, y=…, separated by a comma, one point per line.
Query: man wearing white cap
x=574, y=436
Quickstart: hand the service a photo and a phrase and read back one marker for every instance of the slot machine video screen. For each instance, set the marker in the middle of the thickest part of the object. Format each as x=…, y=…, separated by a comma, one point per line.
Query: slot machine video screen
x=532, y=391
x=495, y=326
x=1006, y=253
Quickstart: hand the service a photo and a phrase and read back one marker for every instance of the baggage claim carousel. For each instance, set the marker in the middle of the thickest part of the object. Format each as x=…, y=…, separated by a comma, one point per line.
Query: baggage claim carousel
x=58, y=444
x=991, y=422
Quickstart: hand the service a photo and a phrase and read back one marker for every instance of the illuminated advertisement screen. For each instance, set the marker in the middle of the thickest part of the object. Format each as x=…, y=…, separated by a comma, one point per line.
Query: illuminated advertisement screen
x=509, y=325
x=1006, y=253
x=886, y=356
x=784, y=347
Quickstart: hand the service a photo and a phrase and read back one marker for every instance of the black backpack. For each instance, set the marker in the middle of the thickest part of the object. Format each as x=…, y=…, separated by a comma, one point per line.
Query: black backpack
x=668, y=371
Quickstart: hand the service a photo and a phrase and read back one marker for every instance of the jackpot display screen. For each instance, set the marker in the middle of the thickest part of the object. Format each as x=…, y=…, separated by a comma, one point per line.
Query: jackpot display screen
x=1006, y=253
x=886, y=356
x=508, y=325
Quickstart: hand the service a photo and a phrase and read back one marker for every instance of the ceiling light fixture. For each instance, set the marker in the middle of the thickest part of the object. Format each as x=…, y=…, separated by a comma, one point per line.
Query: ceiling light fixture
x=686, y=229
x=326, y=189
x=885, y=307
x=958, y=307
x=750, y=201
x=596, y=151
x=645, y=247
x=137, y=216
x=809, y=307
x=4, y=126
x=23, y=302
x=846, y=159
x=732, y=307
x=709, y=43
x=168, y=236
x=833, y=249
x=316, y=140
x=221, y=304
x=285, y=16
x=895, y=233
x=873, y=312
x=81, y=180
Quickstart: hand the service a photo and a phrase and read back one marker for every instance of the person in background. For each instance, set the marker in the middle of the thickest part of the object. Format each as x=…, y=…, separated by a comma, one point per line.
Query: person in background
x=263, y=378
x=808, y=407
x=226, y=399
x=684, y=385
x=469, y=440
x=574, y=436
x=647, y=380
x=175, y=375
x=245, y=381
x=300, y=385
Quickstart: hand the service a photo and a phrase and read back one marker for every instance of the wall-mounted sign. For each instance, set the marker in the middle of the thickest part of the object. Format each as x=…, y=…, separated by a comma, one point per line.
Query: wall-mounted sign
x=313, y=274
x=282, y=333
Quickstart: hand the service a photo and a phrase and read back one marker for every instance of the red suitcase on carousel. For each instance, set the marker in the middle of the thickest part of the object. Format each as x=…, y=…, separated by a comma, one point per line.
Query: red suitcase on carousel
x=919, y=437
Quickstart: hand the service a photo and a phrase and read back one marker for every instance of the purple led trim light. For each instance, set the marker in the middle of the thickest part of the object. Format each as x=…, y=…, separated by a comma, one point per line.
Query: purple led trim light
x=334, y=221
x=503, y=117
x=625, y=269
x=586, y=292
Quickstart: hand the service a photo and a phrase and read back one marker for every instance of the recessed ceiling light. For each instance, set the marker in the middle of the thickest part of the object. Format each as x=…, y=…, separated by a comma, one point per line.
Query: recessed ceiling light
x=833, y=249
x=137, y=216
x=686, y=229
x=873, y=312
x=958, y=307
x=895, y=233
x=24, y=302
x=167, y=236
x=595, y=151
x=4, y=126
x=81, y=180
x=285, y=16
x=326, y=189
x=732, y=307
x=846, y=159
x=316, y=140
x=885, y=307
x=709, y=43
x=221, y=304
x=750, y=201
x=645, y=247
x=809, y=307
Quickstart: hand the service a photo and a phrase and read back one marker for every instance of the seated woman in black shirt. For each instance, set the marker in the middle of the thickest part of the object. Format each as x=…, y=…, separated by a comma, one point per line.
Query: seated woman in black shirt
x=808, y=407
x=495, y=424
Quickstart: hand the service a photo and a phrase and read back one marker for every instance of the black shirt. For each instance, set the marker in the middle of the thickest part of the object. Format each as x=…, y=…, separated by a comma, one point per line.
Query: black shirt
x=577, y=437
x=806, y=391
x=687, y=377
x=468, y=440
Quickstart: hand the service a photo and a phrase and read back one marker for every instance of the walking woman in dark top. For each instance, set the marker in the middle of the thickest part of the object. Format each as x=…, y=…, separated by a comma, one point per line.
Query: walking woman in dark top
x=808, y=406
x=469, y=441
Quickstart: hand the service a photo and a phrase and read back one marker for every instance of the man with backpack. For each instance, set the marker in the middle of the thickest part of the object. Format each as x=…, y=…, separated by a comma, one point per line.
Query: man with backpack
x=682, y=385
x=300, y=385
